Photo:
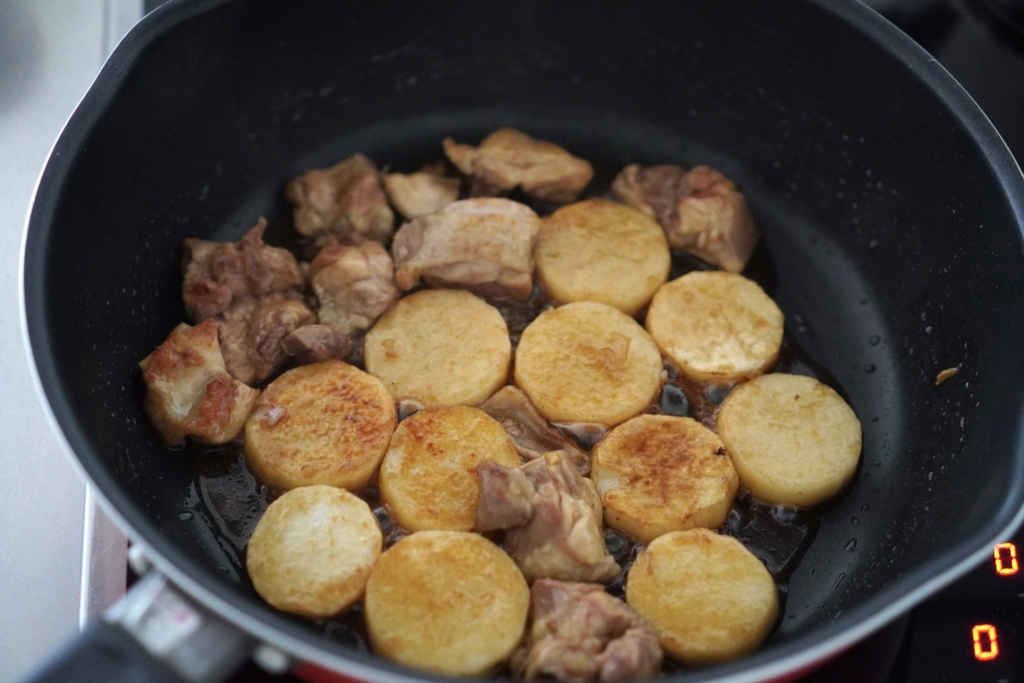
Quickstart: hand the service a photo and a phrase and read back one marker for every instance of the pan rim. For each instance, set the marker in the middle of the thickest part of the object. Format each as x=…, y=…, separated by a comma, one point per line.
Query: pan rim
x=782, y=659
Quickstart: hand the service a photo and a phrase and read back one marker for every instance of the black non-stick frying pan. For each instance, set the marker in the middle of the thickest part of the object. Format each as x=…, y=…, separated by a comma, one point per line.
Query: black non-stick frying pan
x=891, y=209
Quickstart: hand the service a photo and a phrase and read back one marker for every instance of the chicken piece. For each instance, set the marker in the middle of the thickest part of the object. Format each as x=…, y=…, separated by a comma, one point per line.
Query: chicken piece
x=701, y=211
x=354, y=284
x=188, y=389
x=344, y=198
x=316, y=344
x=507, y=158
x=217, y=274
x=483, y=245
x=251, y=333
x=418, y=194
x=552, y=515
x=581, y=633
x=531, y=433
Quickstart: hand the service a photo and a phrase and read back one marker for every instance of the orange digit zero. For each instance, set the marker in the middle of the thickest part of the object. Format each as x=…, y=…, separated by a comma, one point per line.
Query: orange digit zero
x=1006, y=559
x=986, y=642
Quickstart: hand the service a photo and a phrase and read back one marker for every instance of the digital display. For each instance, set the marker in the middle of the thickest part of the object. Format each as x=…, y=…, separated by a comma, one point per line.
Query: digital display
x=986, y=642
x=974, y=630
x=1006, y=559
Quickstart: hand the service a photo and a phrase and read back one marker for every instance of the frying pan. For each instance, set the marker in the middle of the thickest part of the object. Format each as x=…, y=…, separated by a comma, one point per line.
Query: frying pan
x=892, y=215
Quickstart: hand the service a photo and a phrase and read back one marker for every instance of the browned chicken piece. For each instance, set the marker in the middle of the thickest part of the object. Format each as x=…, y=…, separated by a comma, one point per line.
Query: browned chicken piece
x=354, y=284
x=344, y=198
x=580, y=633
x=552, y=517
x=188, y=389
x=531, y=433
x=507, y=158
x=251, y=333
x=418, y=194
x=317, y=343
x=483, y=245
x=217, y=274
x=701, y=211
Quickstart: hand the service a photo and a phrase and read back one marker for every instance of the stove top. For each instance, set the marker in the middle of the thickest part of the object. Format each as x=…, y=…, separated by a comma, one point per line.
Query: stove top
x=972, y=631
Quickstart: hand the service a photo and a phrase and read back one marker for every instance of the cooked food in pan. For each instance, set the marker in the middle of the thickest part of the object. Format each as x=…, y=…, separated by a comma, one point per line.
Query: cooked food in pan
x=441, y=427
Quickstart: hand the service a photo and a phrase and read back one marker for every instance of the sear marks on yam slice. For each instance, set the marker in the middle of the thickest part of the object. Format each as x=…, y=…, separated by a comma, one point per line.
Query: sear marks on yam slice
x=354, y=285
x=188, y=390
x=552, y=515
x=316, y=344
x=344, y=198
x=219, y=274
x=419, y=194
x=531, y=433
x=252, y=330
x=579, y=633
x=701, y=211
x=482, y=245
x=507, y=158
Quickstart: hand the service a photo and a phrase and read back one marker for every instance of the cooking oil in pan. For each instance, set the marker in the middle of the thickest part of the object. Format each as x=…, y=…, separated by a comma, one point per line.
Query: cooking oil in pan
x=229, y=499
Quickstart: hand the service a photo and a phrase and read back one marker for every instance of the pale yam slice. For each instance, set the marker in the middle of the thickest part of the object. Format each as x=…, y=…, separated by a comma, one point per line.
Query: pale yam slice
x=447, y=602
x=313, y=551
x=440, y=347
x=588, y=362
x=327, y=423
x=657, y=474
x=706, y=595
x=598, y=250
x=716, y=326
x=428, y=477
x=792, y=439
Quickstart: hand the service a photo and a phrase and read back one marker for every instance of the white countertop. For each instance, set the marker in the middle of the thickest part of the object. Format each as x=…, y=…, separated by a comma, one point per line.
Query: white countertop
x=50, y=51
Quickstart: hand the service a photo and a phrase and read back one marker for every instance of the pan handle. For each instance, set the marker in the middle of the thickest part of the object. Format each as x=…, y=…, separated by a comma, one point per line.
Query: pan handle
x=154, y=635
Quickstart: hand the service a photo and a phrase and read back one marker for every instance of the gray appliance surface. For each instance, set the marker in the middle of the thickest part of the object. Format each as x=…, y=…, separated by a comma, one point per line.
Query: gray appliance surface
x=60, y=557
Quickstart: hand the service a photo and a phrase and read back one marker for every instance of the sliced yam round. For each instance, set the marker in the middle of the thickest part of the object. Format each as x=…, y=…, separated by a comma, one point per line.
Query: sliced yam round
x=588, y=362
x=440, y=347
x=447, y=602
x=716, y=326
x=313, y=551
x=598, y=250
x=657, y=474
x=792, y=439
x=706, y=595
x=327, y=423
x=428, y=477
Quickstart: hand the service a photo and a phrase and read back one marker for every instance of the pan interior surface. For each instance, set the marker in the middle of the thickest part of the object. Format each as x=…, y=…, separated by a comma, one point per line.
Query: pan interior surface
x=889, y=209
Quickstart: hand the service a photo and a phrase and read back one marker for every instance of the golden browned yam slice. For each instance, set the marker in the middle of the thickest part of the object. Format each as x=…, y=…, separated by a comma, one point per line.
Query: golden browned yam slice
x=354, y=285
x=418, y=194
x=507, y=158
x=218, y=275
x=588, y=362
x=447, y=602
x=598, y=250
x=342, y=199
x=188, y=389
x=715, y=326
x=251, y=333
x=658, y=474
x=483, y=245
x=793, y=440
x=326, y=423
x=313, y=551
x=701, y=211
x=707, y=596
x=531, y=433
x=428, y=477
x=440, y=347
